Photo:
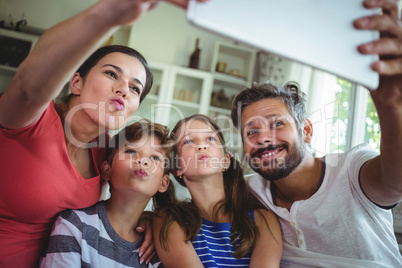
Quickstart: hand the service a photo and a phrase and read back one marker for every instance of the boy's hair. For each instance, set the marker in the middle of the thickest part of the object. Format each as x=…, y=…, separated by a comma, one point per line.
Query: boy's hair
x=137, y=131
x=290, y=94
x=238, y=202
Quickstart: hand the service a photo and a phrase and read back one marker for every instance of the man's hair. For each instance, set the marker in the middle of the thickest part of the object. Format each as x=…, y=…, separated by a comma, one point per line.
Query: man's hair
x=136, y=132
x=290, y=94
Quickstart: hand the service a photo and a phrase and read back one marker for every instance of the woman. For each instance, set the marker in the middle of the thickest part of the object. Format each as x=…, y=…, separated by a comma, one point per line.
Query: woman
x=49, y=157
x=223, y=225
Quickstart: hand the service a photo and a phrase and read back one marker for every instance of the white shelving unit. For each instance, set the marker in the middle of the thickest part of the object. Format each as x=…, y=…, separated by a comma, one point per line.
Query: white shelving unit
x=177, y=92
x=13, y=42
x=151, y=105
x=236, y=75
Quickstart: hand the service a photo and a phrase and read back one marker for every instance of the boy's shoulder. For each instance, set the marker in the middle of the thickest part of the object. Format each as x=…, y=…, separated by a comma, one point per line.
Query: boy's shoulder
x=73, y=213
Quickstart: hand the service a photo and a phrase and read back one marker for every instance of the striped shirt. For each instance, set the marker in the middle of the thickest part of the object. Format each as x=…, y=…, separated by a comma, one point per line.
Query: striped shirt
x=213, y=247
x=85, y=238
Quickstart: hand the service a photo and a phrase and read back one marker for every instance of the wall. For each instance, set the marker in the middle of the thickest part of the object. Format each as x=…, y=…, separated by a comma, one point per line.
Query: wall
x=42, y=14
x=162, y=35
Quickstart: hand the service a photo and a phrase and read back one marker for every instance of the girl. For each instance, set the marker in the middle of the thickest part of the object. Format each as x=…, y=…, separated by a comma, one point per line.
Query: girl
x=223, y=224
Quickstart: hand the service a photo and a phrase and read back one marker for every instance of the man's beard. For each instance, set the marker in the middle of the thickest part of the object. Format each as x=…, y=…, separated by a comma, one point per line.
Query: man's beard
x=278, y=168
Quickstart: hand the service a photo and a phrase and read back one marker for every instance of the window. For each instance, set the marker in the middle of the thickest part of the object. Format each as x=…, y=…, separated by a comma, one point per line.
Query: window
x=372, y=126
x=356, y=121
x=339, y=128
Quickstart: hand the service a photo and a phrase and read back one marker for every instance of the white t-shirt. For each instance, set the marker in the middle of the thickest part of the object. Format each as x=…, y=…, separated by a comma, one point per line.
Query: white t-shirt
x=338, y=226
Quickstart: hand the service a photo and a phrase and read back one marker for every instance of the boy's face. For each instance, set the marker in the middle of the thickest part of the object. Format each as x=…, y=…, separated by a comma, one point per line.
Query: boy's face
x=139, y=166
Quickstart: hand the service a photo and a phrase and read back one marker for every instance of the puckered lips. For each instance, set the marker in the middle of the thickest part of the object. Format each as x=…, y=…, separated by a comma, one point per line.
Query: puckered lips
x=118, y=103
x=202, y=157
x=140, y=173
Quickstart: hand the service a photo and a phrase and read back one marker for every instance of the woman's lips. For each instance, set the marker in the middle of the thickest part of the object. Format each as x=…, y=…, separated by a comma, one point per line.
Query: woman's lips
x=118, y=103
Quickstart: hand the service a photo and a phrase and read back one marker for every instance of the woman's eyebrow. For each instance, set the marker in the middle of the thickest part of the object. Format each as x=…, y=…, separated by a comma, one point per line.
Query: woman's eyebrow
x=121, y=71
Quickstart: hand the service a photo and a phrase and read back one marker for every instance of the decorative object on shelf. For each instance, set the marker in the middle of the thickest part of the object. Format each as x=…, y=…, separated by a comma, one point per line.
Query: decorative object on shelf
x=235, y=72
x=11, y=26
x=195, y=56
x=187, y=95
x=219, y=99
x=221, y=66
x=271, y=67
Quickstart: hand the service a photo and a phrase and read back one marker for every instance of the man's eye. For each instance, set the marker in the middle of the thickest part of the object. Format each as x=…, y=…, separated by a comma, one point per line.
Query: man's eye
x=276, y=124
x=251, y=132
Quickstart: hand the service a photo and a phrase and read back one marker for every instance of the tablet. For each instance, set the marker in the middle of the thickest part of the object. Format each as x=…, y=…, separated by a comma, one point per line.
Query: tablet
x=318, y=33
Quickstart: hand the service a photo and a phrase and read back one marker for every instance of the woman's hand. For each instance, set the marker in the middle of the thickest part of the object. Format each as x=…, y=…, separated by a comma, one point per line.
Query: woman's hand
x=147, y=250
x=182, y=3
x=128, y=11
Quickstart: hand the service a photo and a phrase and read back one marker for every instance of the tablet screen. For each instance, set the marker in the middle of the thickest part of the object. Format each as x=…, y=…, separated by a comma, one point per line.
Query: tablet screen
x=318, y=33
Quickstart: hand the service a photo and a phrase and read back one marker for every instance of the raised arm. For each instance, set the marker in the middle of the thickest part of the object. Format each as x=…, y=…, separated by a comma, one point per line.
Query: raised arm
x=57, y=54
x=179, y=253
x=381, y=177
x=268, y=250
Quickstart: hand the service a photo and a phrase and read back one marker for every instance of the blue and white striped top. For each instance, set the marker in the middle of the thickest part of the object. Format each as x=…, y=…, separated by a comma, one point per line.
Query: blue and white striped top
x=212, y=245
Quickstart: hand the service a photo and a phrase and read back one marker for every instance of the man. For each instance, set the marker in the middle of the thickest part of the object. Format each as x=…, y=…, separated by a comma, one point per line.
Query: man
x=334, y=211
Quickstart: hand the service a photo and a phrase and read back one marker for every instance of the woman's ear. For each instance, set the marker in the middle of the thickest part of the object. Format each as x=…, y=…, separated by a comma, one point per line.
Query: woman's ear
x=307, y=130
x=164, y=183
x=106, y=171
x=76, y=84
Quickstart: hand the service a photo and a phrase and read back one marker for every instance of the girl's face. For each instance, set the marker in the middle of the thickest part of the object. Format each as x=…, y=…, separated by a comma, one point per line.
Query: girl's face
x=110, y=93
x=200, y=151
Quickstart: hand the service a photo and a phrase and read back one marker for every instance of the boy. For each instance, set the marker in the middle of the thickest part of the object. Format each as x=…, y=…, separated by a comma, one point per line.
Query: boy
x=104, y=235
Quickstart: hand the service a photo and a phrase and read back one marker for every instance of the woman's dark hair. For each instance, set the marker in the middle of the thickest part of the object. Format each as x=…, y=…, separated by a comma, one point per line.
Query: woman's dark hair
x=238, y=202
x=101, y=52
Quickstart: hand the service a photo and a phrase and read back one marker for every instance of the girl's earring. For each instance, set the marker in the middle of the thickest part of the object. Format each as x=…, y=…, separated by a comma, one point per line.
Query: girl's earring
x=224, y=170
x=181, y=177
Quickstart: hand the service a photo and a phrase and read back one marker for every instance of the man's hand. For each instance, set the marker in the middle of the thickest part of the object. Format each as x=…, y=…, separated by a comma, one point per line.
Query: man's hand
x=381, y=177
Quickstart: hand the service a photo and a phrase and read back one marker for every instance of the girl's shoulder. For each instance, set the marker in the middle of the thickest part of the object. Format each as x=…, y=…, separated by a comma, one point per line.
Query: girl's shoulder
x=265, y=216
